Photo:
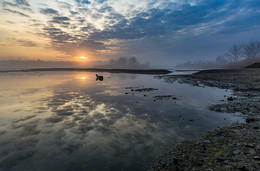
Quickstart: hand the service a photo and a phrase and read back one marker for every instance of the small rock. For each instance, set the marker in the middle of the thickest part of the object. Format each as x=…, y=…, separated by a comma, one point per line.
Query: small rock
x=226, y=161
x=209, y=170
x=191, y=120
x=126, y=93
x=252, y=152
x=249, y=120
x=256, y=158
x=175, y=161
x=230, y=99
x=236, y=152
x=249, y=145
x=207, y=141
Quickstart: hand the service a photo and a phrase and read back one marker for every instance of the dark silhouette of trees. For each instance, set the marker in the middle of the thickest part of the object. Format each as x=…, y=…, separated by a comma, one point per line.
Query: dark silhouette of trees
x=234, y=53
x=126, y=63
x=251, y=50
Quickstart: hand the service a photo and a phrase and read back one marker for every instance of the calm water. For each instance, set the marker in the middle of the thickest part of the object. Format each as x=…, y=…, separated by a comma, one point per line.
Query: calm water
x=70, y=121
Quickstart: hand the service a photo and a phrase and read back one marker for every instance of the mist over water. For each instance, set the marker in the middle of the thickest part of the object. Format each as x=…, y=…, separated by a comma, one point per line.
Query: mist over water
x=70, y=121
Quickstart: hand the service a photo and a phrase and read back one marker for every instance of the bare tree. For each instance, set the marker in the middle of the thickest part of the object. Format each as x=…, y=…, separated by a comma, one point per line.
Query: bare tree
x=252, y=50
x=234, y=52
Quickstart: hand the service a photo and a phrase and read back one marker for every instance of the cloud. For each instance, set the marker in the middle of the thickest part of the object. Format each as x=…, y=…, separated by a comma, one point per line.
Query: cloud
x=83, y=1
x=20, y=42
x=17, y=5
x=8, y=4
x=155, y=22
x=16, y=12
x=66, y=42
x=100, y=1
x=26, y=43
x=57, y=35
x=48, y=11
x=22, y=2
x=10, y=22
x=133, y=28
x=160, y=21
x=92, y=45
x=60, y=20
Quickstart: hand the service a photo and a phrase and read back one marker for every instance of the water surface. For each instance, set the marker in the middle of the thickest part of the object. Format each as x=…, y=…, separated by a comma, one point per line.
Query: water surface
x=70, y=121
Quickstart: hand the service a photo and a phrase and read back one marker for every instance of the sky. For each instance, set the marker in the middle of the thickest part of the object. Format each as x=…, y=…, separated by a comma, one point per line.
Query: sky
x=161, y=32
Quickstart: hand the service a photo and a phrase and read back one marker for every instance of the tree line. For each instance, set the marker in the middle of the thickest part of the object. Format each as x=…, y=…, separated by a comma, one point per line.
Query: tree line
x=237, y=52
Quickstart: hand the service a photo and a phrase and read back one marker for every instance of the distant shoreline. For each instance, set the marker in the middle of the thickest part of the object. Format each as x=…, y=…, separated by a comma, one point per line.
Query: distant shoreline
x=128, y=71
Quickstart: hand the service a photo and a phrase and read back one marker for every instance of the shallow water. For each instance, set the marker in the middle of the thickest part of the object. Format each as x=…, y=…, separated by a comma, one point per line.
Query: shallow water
x=70, y=121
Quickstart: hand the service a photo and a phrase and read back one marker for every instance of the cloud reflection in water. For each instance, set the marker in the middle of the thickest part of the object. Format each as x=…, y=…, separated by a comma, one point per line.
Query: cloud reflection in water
x=81, y=124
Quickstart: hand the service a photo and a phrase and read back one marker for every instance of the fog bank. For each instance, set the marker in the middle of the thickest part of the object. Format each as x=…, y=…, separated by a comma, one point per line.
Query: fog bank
x=124, y=63
x=218, y=64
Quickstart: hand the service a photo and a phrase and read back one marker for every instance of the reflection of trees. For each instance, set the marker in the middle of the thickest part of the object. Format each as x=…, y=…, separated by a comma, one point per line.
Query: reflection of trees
x=123, y=76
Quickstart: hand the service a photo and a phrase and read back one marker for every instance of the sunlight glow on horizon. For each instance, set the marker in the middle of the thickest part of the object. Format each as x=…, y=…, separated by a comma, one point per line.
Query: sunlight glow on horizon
x=82, y=57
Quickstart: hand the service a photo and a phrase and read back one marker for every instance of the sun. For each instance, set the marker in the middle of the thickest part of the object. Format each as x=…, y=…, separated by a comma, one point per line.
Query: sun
x=83, y=57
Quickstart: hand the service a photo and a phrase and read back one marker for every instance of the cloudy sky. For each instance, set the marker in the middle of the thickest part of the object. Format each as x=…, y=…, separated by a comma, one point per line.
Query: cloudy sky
x=161, y=32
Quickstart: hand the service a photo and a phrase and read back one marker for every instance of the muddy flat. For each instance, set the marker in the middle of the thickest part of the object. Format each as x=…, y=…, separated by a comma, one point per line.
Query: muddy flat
x=234, y=147
x=250, y=76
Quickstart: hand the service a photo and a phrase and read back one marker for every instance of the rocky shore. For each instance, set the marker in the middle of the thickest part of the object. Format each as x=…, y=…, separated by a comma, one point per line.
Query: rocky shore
x=235, y=147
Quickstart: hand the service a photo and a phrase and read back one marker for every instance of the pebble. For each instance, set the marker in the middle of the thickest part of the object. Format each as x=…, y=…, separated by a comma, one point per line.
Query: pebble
x=236, y=152
x=249, y=145
x=230, y=99
x=209, y=170
x=252, y=152
x=207, y=141
x=249, y=120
